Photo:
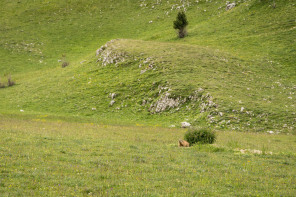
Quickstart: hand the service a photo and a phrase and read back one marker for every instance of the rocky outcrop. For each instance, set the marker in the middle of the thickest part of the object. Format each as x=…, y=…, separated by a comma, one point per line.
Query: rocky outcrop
x=168, y=101
x=109, y=55
x=165, y=102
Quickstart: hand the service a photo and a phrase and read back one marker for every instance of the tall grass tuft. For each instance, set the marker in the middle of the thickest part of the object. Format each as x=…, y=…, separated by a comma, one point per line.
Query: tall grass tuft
x=10, y=81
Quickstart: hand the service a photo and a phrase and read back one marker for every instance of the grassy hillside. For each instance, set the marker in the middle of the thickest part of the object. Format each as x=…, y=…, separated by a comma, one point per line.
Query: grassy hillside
x=41, y=157
x=235, y=70
x=100, y=125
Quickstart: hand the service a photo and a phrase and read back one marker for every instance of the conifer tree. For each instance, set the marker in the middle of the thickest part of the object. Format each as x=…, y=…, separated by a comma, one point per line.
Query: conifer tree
x=180, y=24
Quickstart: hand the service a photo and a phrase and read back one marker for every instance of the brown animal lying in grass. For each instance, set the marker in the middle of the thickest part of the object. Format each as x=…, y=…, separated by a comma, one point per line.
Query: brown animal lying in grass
x=183, y=143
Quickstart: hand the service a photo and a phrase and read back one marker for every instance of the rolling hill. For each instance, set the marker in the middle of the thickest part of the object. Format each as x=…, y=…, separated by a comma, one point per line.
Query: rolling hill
x=235, y=70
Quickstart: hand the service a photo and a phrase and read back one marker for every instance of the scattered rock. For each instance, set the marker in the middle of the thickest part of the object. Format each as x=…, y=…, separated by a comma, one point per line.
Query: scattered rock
x=164, y=103
x=229, y=5
x=207, y=103
x=211, y=119
x=257, y=151
x=112, y=102
x=185, y=124
x=100, y=50
x=147, y=63
x=108, y=54
x=246, y=151
x=200, y=90
x=112, y=95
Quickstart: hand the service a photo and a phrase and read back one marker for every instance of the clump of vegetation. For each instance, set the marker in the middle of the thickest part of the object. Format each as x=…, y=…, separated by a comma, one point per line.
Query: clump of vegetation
x=65, y=63
x=180, y=24
x=10, y=82
x=200, y=135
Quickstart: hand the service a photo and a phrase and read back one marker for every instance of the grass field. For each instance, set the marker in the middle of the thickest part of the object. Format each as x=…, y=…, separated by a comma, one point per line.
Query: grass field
x=41, y=157
x=108, y=123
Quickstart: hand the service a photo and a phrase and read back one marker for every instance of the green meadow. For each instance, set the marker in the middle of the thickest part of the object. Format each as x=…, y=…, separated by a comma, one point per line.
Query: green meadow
x=41, y=157
x=100, y=89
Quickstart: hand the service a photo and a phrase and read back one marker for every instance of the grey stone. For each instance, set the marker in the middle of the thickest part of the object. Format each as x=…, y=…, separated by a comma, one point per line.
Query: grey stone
x=185, y=124
x=229, y=5
x=112, y=102
x=112, y=95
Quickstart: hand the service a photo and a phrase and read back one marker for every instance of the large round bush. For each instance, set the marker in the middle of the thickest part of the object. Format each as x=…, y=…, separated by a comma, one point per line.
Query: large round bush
x=200, y=135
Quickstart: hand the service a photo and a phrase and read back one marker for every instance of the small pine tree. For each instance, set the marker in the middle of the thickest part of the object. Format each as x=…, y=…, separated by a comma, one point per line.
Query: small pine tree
x=180, y=24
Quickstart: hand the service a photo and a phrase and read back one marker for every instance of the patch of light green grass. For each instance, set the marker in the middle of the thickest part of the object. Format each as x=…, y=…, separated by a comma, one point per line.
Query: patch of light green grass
x=43, y=157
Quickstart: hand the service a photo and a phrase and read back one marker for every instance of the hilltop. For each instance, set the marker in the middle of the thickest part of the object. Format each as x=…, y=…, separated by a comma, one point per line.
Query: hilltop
x=235, y=70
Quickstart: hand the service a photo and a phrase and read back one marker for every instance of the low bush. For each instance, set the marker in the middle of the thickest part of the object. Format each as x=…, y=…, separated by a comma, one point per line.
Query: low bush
x=200, y=135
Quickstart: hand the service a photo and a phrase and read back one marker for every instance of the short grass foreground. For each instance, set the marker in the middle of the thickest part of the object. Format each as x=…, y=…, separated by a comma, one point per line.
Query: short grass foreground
x=42, y=157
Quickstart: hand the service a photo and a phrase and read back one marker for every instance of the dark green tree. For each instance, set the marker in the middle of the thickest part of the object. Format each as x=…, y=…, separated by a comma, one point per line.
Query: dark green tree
x=180, y=24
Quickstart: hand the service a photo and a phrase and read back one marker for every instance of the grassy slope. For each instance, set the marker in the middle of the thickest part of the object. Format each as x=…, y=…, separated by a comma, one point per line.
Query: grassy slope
x=236, y=56
x=40, y=155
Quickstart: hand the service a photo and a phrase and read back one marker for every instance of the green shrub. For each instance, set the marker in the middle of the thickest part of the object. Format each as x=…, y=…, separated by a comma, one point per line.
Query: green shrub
x=200, y=135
